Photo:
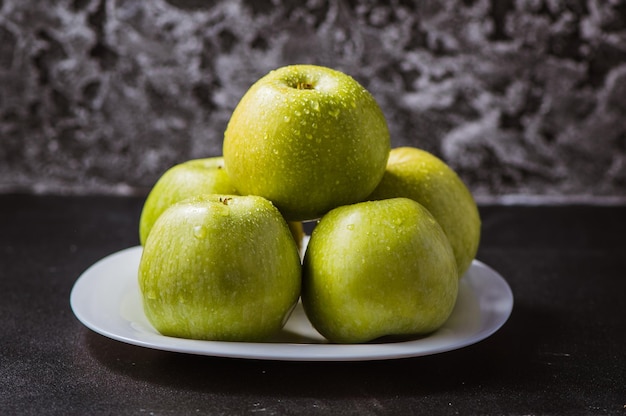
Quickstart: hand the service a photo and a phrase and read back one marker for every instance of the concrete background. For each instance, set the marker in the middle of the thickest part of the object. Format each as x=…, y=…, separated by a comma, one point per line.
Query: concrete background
x=520, y=97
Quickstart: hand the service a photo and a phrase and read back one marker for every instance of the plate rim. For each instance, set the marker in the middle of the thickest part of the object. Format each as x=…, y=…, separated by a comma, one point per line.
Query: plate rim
x=286, y=351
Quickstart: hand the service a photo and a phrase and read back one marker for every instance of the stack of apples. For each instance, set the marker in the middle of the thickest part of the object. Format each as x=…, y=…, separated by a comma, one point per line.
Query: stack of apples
x=223, y=256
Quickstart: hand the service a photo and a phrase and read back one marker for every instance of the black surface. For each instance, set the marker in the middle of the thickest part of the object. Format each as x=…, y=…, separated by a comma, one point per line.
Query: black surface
x=561, y=352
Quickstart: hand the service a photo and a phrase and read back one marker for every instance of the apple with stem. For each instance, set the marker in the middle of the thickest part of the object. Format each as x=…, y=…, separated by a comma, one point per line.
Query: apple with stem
x=220, y=267
x=376, y=269
x=308, y=138
x=419, y=175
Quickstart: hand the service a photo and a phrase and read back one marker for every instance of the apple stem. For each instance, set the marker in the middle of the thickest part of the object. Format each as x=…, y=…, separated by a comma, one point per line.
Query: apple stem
x=225, y=200
x=304, y=86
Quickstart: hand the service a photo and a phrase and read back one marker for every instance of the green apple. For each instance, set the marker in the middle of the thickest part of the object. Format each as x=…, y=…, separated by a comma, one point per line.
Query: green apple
x=378, y=268
x=416, y=174
x=309, y=139
x=185, y=180
x=220, y=267
x=188, y=180
x=297, y=232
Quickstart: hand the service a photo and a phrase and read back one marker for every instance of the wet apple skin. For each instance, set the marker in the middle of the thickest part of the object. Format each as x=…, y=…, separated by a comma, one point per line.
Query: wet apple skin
x=307, y=149
x=220, y=271
x=419, y=175
x=378, y=268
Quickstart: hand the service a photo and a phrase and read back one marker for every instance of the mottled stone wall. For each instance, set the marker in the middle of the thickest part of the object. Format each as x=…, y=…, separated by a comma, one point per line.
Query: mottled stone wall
x=519, y=96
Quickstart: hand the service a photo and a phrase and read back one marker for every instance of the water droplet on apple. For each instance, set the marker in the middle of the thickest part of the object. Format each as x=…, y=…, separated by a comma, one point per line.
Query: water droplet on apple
x=297, y=113
x=315, y=105
x=199, y=231
x=309, y=136
x=350, y=226
x=334, y=113
x=286, y=118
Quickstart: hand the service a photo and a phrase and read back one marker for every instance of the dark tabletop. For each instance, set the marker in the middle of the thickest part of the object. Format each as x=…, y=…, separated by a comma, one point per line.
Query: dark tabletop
x=562, y=351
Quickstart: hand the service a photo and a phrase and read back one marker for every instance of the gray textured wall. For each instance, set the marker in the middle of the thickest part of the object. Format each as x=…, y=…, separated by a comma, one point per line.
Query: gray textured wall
x=519, y=96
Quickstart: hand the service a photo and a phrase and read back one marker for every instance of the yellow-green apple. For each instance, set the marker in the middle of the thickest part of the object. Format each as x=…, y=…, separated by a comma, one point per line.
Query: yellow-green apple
x=220, y=267
x=308, y=138
x=419, y=175
x=185, y=180
x=378, y=268
x=191, y=179
x=297, y=232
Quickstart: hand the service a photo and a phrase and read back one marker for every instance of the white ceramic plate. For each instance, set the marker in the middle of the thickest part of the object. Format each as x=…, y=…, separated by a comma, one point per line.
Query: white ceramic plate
x=106, y=299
